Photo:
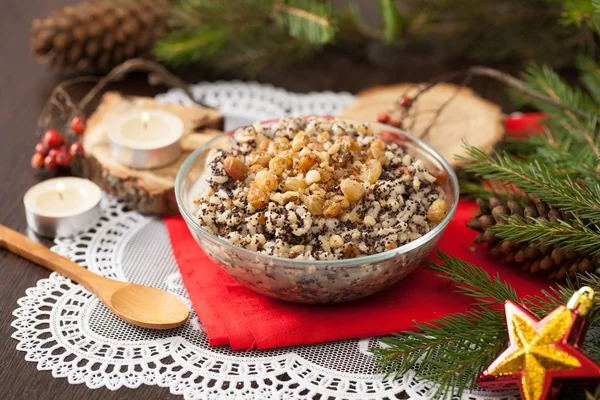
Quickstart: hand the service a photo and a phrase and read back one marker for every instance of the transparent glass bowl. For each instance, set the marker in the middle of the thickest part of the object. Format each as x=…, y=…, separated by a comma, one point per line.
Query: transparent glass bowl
x=307, y=281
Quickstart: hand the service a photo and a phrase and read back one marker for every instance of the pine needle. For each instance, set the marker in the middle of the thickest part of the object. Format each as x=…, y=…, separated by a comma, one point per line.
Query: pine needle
x=451, y=352
x=538, y=179
x=574, y=235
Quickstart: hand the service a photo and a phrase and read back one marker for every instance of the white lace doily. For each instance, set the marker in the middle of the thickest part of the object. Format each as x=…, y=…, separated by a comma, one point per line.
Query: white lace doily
x=64, y=329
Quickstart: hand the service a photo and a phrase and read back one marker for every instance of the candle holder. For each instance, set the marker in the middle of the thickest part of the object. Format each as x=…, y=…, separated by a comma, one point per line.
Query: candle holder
x=62, y=206
x=146, y=139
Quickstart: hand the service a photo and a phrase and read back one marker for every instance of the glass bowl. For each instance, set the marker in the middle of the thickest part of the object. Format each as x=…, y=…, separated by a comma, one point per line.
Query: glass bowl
x=314, y=281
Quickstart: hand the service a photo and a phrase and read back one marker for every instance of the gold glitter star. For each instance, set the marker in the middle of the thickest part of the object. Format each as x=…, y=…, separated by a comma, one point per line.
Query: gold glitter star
x=533, y=350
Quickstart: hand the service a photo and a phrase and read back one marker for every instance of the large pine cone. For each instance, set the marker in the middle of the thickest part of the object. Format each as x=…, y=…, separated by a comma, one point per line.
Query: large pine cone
x=535, y=257
x=94, y=36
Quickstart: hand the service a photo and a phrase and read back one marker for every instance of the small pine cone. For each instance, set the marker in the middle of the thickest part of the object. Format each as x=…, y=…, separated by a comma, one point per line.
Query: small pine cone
x=555, y=263
x=95, y=35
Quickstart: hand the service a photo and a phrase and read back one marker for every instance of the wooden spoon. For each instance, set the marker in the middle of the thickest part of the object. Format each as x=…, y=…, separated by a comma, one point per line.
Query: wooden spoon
x=139, y=305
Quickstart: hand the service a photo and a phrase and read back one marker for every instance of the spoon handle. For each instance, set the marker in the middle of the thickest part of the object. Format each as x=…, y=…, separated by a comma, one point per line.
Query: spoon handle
x=39, y=254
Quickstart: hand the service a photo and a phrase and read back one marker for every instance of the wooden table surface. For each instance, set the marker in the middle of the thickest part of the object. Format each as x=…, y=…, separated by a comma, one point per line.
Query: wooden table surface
x=24, y=88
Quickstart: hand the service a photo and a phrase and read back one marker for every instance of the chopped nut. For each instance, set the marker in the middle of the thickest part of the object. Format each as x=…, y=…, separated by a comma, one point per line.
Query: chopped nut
x=284, y=198
x=324, y=136
x=437, y=211
x=336, y=241
x=264, y=145
x=265, y=181
x=258, y=158
x=335, y=206
x=235, y=168
x=315, y=146
x=369, y=221
x=300, y=140
x=326, y=176
x=277, y=165
x=371, y=171
x=314, y=203
x=257, y=198
x=294, y=184
x=353, y=191
x=353, y=218
x=255, y=168
x=350, y=144
x=334, y=148
x=312, y=176
x=306, y=162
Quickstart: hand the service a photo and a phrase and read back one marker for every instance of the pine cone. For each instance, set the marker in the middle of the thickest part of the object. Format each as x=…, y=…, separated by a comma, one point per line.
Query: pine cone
x=535, y=257
x=96, y=35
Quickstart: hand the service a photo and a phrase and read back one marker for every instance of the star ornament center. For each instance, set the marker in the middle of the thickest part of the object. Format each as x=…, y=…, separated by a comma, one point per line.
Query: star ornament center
x=538, y=354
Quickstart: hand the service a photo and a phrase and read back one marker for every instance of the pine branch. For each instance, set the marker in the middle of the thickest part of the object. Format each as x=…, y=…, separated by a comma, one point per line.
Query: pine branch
x=305, y=20
x=582, y=199
x=473, y=281
x=574, y=235
x=452, y=351
x=245, y=36
x=590, y=76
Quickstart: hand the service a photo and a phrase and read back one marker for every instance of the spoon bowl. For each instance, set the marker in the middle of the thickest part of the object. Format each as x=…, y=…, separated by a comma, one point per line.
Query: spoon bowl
x=148, y=307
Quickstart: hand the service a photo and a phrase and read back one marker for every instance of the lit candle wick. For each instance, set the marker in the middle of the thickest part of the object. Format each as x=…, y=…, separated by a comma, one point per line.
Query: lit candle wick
x=60, y=188
x=145, y=119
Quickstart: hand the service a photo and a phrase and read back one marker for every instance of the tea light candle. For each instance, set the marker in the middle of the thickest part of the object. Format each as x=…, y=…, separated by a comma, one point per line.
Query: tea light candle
x=62, y=206
x=146, y=139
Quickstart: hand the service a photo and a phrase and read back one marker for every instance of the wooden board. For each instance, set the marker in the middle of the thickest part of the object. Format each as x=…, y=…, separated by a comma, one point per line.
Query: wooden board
x=147, y=191
x=467, y=116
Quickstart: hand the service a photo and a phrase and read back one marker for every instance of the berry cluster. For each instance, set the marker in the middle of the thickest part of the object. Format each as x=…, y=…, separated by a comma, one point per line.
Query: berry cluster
x=393, y=117
x=52, y=151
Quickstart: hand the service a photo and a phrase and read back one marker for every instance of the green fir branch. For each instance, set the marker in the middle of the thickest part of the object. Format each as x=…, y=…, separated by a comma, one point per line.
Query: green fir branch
x=538, y=179
x=305, y=20
x=473, y=281
x=574, y=235
x=590, y=76
x=452, y=351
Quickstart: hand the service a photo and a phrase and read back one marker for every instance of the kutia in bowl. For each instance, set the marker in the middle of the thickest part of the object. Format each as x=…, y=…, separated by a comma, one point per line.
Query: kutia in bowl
x=316, y=209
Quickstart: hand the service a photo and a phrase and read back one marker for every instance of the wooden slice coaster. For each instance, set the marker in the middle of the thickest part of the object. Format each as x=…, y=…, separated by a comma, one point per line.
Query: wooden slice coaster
x=465, y=117
x=148, y=191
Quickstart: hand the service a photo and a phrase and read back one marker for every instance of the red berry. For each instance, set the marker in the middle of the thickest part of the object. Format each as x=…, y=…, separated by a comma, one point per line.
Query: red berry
x=53, y=152
x=78, y=124
x=63, y=158
x=37, y=161
x=50, y=161
x=76, y=150
x=42, y=149
x=383, y=117
x=404, y=101
x=53, y=139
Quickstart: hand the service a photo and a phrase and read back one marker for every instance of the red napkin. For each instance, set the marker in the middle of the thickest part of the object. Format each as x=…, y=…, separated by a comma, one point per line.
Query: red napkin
x=234, y=315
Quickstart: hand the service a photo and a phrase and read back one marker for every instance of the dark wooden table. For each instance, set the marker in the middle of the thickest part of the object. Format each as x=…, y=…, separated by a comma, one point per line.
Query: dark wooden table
x=24, y=88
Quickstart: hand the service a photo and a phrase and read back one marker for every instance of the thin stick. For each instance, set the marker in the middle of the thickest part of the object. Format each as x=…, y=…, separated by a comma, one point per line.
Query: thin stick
x=443, y=106
x=138, y=64
x=499, y=76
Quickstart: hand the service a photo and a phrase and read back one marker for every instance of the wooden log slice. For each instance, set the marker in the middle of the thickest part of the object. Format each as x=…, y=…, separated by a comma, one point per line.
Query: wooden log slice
x=466, y=116
x=149, y=191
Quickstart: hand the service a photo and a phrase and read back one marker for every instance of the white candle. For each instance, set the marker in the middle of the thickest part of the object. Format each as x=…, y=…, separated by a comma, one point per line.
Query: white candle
x=62, y=206
x=146, y=138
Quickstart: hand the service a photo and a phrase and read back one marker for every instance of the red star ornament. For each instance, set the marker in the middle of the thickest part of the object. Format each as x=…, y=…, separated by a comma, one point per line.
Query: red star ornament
x=542, y=354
